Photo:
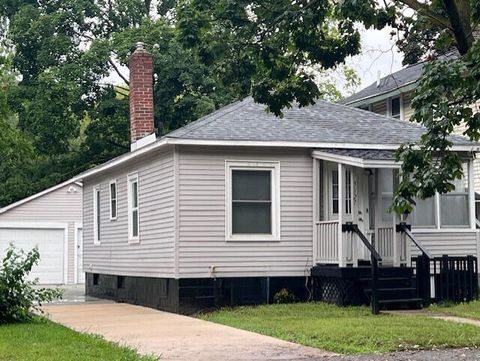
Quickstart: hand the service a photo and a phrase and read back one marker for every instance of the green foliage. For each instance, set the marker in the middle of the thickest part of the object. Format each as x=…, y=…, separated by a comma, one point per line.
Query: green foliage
x=264, y=48
x=206, y=54
x=348, y=330
x=444, y=100
x=18, y=296
x=284, y=296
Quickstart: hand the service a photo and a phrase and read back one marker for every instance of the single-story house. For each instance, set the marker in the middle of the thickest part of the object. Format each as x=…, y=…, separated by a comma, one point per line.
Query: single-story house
x=51, y=220
x=239, y=204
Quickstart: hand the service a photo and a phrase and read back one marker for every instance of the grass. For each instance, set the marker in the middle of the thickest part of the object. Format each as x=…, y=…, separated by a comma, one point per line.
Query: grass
x=467, y=310
x=349, y=330
x=42, y=340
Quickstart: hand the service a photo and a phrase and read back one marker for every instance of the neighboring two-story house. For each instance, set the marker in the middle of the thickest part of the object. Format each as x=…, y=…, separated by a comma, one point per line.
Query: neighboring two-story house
x=392, y=96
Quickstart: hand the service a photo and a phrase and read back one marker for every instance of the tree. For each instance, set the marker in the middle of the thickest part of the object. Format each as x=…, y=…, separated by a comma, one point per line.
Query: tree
x=265, y=46
x=65, y=53
x=15, y=149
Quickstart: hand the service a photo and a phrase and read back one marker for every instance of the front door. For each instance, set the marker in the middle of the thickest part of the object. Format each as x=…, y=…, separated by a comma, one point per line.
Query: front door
x=362, y=209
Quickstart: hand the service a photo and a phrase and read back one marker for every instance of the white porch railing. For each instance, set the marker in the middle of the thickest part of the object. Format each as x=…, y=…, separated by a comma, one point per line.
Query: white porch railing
x=384, y=243
x=327, y=241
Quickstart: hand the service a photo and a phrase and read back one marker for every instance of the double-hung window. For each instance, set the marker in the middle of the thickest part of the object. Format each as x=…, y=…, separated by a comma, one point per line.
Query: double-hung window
x=253, y=193
x=454, y=206
x=96, y=214
x=113, y=200
x=133, y=208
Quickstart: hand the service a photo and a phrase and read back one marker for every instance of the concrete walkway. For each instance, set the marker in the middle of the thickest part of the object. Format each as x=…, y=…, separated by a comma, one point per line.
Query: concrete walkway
x=468, y=321
x=175, y=337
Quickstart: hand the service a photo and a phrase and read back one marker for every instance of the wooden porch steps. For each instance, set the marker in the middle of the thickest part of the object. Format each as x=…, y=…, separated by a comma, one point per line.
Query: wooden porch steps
x=396, y=286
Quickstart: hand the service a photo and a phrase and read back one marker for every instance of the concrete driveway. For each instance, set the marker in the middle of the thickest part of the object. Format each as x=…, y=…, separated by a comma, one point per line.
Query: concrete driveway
x=176, y=337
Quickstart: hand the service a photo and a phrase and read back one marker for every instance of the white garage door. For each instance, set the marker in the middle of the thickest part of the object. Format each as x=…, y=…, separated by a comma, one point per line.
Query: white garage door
x=50, y=242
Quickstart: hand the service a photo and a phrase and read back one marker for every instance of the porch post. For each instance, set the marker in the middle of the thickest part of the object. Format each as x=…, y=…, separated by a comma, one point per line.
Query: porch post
x=315, y=207
x=342, y=249
x=397, y=238
x=471, y=195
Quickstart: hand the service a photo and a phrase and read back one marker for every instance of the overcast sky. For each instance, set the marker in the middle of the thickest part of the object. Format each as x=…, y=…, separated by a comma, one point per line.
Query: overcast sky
x=378, y=54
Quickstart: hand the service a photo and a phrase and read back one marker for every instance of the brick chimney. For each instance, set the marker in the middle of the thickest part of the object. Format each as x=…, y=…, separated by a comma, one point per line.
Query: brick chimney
x=141, y=94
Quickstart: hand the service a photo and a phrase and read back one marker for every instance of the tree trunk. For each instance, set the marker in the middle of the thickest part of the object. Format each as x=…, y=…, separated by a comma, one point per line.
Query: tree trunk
x=458, y=12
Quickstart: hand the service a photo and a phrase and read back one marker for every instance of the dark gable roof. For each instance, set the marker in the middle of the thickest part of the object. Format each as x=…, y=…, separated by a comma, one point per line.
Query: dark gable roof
x=321, y=123
x=408, y=75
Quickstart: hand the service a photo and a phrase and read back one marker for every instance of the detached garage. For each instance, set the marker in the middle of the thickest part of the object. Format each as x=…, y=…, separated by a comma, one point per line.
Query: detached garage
x=52, y=221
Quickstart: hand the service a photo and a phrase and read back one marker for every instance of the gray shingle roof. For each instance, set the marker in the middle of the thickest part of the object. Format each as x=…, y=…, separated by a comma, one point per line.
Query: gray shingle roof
x=368, y=154
x=321, y=123
x=391, y=82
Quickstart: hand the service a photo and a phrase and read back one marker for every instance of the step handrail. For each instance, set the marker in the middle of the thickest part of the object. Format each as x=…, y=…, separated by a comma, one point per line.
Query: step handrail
x=351, y=227
x=405, y=228
x=375, y=258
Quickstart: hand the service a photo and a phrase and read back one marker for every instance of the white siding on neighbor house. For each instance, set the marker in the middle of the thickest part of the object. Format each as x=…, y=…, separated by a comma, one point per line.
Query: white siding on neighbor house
x=58, y=206
x=201, y=216
x=379, y=107
x=154, y=255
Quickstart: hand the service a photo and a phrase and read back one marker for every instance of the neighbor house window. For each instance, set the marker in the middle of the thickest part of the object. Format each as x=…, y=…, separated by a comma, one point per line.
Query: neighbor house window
x=445, y=210
x=253, y=201
x=113, y=200
x=424, y=212
x=96, y=215
x=454, y=206
x=133, y=208
x=395, y=105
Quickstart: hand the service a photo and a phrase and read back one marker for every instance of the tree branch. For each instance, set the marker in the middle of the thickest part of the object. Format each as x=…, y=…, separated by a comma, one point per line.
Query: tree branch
x=118, y=71
x=425, y=10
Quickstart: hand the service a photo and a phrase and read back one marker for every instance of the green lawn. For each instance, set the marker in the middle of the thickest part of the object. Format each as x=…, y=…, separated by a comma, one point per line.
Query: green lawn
x=42, y=340
x=468, y=310
x=347, y=330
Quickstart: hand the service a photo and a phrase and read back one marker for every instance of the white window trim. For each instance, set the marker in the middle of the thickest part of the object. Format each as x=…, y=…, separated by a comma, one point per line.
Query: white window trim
x=96, y=211
x=132, y=177
x=389, y=106
x=113, y=181
x=272, y=166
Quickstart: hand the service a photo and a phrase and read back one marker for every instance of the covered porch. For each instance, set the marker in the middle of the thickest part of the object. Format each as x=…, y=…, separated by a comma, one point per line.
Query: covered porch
x=363, y=253
x=356, y=187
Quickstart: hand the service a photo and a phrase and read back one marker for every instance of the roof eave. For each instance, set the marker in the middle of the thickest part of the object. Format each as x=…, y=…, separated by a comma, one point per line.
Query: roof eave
x=246, y=143
x=383, y=96
x=75, y=180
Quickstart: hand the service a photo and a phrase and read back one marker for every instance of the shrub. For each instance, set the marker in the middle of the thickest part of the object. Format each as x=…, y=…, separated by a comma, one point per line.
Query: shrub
x=19, y=296
x=284, y=296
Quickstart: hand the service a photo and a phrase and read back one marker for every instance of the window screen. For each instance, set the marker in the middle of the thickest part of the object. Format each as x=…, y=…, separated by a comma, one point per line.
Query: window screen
x=251, y=202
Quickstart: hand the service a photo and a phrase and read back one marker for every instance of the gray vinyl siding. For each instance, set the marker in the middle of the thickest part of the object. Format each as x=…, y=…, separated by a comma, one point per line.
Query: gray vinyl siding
x=154, y=255
x=451, y=243
x=58, y=206
x=202, y=241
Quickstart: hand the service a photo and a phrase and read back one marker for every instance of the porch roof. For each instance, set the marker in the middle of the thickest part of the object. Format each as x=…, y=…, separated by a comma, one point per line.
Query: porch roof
x=362, y=158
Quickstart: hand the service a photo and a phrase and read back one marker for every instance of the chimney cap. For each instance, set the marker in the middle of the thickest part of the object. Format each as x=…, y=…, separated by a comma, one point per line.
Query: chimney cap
x=139, y=45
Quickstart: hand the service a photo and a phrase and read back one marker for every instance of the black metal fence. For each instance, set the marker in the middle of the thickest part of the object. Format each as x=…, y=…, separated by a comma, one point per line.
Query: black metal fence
x=446, y=278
